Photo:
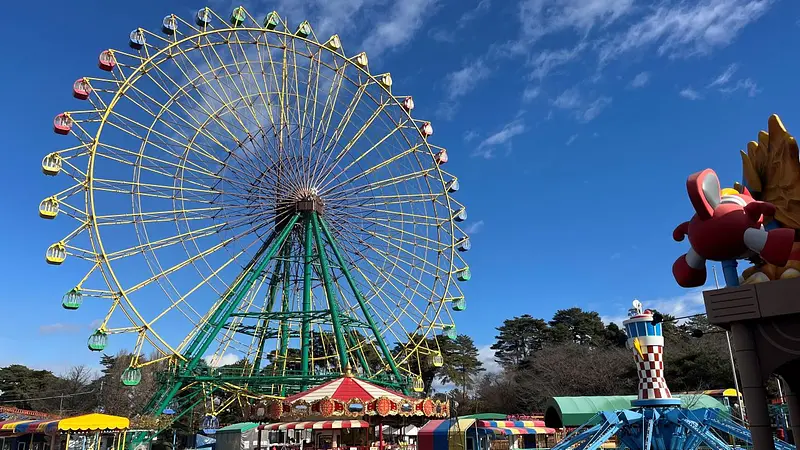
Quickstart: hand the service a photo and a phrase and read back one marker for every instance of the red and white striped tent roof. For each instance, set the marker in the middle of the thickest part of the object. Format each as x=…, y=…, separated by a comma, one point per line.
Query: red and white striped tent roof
x=315, y=425
x=345, y=389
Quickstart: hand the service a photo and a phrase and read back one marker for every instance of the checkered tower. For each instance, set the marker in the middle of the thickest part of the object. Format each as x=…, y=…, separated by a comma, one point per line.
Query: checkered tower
x=653, y=390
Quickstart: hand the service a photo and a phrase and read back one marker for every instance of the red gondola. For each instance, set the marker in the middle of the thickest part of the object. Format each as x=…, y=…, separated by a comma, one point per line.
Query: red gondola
x=62, y=124
x=81, y=89
x=107, y=61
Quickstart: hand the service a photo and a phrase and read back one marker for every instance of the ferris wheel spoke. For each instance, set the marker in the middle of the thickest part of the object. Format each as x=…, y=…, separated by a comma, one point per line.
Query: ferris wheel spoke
x=387, y=225
x=309, y=111
x=380, y=272
x=198, y=127
x=191, y=260
x=183, y=299
x=320, y=131
x=182, y=237
x=326, y=145
x=210, y=112
x=375, y=168
x=391, y=259
x=380, y=185
x=354, y=140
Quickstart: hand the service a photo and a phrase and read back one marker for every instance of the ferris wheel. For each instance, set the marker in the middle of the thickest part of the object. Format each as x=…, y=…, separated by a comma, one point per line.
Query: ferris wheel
x=246, y=191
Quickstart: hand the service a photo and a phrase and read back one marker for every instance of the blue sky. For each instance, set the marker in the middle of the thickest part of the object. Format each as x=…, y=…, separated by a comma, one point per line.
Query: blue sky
x=572, y=125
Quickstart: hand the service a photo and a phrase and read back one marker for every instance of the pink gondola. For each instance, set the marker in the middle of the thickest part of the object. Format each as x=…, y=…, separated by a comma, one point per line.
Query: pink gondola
x=441, y=157
x=81, y=89
x=426, y=129
x=106, y=61
x=62, y=124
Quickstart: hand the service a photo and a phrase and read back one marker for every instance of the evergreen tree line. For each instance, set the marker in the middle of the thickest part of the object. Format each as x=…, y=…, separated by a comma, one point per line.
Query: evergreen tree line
x=572, y=354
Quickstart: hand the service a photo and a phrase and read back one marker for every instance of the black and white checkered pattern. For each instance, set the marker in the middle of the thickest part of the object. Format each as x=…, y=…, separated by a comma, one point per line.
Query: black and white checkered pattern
x=651, y=374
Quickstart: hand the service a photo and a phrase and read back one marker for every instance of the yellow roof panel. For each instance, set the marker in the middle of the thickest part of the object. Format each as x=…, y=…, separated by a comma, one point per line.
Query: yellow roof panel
x=94, y=422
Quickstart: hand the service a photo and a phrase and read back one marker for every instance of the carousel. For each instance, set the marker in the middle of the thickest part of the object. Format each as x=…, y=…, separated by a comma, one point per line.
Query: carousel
x=344, y=413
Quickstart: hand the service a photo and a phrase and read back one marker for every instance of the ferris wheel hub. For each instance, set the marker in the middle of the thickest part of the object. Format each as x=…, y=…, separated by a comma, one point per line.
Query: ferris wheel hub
x=308, y=200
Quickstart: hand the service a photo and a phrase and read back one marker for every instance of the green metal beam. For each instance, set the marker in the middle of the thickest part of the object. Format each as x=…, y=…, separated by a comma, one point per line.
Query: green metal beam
x=262, y=338
x=305, y=340
x=361, y=302
x=232, y=300
x=284, y=331
x=330, y=293
x=201, y=335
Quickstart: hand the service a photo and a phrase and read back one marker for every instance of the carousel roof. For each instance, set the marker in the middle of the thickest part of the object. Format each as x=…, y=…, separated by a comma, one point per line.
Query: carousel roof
x=345, y=389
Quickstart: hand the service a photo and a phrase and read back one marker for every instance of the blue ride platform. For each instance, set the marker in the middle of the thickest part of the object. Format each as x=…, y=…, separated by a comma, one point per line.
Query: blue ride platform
x=656, y=420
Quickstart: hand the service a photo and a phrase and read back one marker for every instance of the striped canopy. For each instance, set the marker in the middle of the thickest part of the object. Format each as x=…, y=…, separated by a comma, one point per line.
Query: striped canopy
x=345, y=389
x=87, y=422
x=315, y=425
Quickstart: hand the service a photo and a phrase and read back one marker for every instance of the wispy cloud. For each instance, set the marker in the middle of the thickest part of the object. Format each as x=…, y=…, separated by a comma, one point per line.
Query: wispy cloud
x=746, y=85
x=569, y=99
x=686, y=28
x=400, y=25
x=539, y=18
x=474, y=227
x=615, y=256
x=548, y=60
x=503, y=137
x=530, y=93
x=725, y=76
x=450, y=35
x=470, y=136
x=571, y=140
x=640, y=80
x=689, y=93
x=464, y=80
x=595, y=108
x=688, y=303
x=584, y=111
x=460, y=83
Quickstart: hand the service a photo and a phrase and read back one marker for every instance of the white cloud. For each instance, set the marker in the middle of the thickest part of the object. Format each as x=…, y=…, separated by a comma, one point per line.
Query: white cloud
x=548, y=60
x=503, y=137
x=226, y=359
x=690, y=302
x=469, y=16
x=569, y=99
x=689, y=93
x=470, y=136
x=402, y=22
x=725, y=76
x=686, y=304
x=595, y=108
x=450, y=34
x=531, y=93
x=486, y=356
x=542, y=17
x=474, y=227
x=686, y=28
x=615, y=256
x=640, y=80
x=747, y=85
x=571, y=140
x=464, y=80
